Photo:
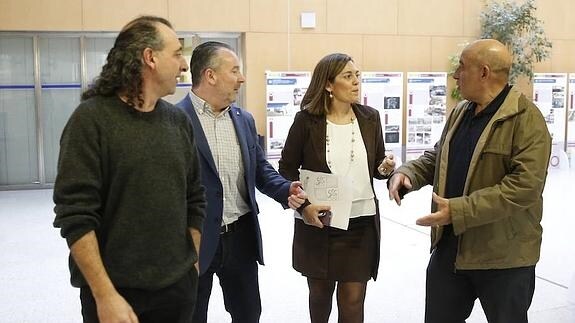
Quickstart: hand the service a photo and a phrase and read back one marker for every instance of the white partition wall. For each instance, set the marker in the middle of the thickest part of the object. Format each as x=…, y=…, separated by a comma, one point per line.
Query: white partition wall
x=384, y=92
x=549, y=94
x=284, y=91
x=426, y=109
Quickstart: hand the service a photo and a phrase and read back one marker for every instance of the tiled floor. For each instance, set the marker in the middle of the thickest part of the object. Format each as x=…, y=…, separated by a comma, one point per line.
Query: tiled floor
x=34, y=280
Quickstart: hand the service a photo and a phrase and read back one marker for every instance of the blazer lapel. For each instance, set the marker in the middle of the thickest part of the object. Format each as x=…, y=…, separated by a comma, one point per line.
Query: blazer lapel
x=242, y=132
x=367, y=128
x=200, y=136
x=318, y=137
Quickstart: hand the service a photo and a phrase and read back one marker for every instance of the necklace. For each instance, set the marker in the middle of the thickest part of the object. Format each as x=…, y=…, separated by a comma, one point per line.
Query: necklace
x=328, y=143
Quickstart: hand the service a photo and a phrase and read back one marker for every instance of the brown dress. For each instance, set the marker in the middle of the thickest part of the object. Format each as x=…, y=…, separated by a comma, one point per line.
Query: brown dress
x=330, y=253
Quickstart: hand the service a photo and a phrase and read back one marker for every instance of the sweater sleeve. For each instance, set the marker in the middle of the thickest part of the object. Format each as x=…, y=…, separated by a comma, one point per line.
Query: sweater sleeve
x=196, y=198
x=77, y=189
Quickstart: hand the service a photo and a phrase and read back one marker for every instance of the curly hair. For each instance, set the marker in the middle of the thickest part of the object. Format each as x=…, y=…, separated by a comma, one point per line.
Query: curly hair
x=123, y=69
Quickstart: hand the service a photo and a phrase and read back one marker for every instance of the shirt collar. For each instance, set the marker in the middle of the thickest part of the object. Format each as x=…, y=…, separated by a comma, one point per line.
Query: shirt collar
x=201, y=106
x=494, y=105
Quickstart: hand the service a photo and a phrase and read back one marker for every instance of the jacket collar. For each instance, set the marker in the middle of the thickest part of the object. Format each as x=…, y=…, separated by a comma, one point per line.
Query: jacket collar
x=508, y=109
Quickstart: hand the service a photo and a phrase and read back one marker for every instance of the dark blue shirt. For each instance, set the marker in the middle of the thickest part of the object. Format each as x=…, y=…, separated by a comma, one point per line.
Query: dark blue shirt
x=463, y=144
x=464, y=141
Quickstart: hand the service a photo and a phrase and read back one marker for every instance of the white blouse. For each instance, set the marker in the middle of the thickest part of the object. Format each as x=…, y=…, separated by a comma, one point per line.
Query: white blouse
x=343, y=141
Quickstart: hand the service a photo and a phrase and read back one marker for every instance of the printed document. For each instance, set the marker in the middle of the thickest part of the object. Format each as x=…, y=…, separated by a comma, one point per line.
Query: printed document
x=332, y=190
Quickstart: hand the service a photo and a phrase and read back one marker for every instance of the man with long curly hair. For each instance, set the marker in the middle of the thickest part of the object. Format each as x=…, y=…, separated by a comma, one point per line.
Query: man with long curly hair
x=128, y=195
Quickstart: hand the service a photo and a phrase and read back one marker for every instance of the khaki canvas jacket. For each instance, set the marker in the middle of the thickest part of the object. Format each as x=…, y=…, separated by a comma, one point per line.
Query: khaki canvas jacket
x=497, y=220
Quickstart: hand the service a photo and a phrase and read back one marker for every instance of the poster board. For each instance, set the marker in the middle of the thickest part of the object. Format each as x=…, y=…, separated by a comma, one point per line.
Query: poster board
x=550, y=95
x=384, y=92
x=426, y=111
x=284, y=91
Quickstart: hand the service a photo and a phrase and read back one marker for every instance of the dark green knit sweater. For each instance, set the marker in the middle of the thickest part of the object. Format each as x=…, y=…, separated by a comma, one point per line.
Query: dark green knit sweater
x=133, y=178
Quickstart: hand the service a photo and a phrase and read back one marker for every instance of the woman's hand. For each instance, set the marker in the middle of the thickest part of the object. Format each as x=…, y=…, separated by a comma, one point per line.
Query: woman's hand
x=312, y=213
x=387, y=166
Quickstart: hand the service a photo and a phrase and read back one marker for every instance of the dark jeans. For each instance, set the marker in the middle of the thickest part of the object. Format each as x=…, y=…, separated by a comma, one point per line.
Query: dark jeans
x=236, y=266
x=505, y=294
x=173, y=304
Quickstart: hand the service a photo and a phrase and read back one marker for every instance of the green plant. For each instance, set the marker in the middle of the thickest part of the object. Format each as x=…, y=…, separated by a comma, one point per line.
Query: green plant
x=515, y=25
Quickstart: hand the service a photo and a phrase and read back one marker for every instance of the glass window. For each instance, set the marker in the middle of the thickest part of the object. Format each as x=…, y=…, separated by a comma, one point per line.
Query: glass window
x=61, y=89
x=34, y=108
x=96, y=53
x=18, y=135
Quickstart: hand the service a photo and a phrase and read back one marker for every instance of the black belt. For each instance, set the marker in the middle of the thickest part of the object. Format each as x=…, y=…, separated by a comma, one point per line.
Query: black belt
x=228, y=228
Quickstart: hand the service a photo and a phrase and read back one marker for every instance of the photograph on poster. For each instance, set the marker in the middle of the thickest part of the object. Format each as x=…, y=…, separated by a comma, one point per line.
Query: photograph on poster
x=558, y=97
x=423, y=128
x=436, y=107
x=437, y=91
x=298, y=93
x=419, y=138
x=277, y=143
x=391, y=102
x=391, y=137
x=277, y=109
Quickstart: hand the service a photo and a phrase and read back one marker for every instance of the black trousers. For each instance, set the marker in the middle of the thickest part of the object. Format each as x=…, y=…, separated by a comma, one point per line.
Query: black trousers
x=505, y=294
x=235, y=264
x=173, y=304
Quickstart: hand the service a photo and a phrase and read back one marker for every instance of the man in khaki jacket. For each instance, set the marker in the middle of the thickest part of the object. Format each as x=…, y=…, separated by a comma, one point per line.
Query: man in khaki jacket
x=488, y=172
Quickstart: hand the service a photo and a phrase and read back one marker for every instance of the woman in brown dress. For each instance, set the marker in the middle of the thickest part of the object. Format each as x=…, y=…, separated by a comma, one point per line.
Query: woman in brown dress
x=334, y=134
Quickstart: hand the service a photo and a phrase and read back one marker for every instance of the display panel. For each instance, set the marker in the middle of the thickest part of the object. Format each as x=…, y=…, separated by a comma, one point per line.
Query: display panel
x=284, y=91
x=426, y=110
x=384, y=92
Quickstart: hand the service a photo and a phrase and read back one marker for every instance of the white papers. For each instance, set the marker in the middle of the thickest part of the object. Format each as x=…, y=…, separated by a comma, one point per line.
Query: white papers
x=332, y=190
